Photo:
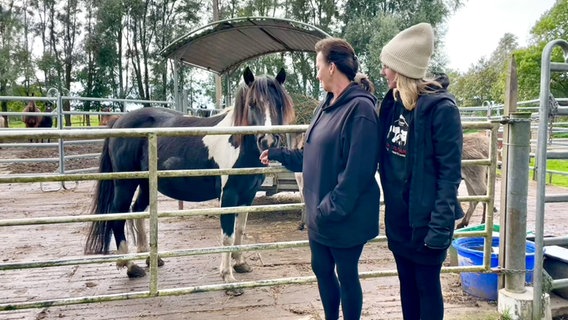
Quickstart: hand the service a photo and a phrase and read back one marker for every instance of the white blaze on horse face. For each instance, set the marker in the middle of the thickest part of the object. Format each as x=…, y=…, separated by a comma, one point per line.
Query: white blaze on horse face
x=267, y=118
x=220, y=149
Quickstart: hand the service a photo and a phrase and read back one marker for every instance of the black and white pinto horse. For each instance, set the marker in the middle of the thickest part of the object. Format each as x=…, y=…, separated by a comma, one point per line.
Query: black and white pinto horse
x=261, y=101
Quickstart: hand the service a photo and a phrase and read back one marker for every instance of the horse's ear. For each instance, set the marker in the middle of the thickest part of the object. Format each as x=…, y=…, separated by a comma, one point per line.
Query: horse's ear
x=281, y=76
x=248, y=76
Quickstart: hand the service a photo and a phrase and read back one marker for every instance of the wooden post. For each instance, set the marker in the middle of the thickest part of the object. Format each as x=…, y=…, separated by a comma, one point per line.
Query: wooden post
x=511, y=96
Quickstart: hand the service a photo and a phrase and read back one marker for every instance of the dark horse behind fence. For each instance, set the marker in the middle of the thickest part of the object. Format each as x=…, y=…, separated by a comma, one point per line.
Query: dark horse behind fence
x=261, y=101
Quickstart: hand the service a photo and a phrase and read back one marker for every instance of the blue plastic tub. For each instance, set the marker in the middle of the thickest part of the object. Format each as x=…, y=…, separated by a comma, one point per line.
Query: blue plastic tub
x=484, y=285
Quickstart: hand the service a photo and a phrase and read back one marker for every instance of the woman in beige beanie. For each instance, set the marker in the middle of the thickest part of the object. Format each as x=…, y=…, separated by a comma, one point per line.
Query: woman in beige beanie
x=420, y=169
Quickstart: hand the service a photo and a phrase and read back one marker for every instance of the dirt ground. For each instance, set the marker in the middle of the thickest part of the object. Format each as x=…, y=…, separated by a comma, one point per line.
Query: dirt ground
x=47, y=242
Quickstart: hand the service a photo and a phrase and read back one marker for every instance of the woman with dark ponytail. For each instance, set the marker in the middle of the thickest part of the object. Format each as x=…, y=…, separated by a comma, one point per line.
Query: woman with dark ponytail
x=339, y=161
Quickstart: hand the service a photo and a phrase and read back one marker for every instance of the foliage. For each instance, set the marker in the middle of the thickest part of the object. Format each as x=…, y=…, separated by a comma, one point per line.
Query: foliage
x=551, y=26
x=386, y=18
x=485, y=81
x=110, y=48
x=304, y=107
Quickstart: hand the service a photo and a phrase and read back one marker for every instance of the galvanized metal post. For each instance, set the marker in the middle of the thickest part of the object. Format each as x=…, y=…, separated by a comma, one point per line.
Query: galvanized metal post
x=515, y=235
x=544, y=112
x=60, y=120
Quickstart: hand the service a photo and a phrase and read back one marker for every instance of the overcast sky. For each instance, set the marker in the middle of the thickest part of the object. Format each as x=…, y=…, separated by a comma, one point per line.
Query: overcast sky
x=474, y=30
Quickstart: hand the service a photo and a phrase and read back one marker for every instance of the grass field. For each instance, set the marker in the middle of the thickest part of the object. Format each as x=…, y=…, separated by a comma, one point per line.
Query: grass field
x=75, y=121
x=554, y=179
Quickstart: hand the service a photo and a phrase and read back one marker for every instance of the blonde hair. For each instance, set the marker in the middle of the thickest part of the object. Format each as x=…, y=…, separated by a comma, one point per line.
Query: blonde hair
x=410, y=89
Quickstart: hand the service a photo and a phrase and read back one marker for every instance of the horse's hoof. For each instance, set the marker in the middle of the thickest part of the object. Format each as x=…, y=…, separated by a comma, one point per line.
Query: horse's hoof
x=301, y=226
x=160, y=262
x=242, y=268
x=235, y=292
x=135, y=272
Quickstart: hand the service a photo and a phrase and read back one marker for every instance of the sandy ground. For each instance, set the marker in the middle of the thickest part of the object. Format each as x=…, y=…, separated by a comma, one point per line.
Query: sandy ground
x=45, y=242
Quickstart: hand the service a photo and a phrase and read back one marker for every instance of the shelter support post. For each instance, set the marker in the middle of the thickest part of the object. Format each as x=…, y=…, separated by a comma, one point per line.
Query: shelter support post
x=178, y=92
x=516, y=300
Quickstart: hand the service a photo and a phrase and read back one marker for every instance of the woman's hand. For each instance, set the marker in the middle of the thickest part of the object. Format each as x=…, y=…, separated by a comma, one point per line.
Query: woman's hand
x=264, y=157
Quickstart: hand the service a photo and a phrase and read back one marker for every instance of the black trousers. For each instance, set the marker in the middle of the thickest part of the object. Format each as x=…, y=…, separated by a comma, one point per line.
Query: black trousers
x=343, y=287
x=420, y=290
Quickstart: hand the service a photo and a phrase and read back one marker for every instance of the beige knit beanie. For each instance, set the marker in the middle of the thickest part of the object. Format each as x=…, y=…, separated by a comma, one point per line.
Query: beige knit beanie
x=409, y=52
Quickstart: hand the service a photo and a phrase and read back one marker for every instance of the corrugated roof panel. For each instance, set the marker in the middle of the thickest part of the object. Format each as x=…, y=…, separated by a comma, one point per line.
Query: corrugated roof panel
x=223, y=45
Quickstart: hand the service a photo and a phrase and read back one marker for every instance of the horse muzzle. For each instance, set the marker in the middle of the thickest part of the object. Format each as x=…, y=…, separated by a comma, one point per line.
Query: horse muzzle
x=266, y=141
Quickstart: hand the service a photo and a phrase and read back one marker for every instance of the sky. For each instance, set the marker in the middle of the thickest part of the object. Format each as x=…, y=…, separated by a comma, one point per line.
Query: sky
x=475, y=29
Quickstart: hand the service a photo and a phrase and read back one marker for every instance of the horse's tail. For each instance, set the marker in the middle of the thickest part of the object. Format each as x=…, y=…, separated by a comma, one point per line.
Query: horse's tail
x=100, y=233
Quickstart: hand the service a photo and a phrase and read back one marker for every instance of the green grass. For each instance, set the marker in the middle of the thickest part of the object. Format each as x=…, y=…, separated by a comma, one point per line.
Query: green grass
x=554, y=179
x=76, y=121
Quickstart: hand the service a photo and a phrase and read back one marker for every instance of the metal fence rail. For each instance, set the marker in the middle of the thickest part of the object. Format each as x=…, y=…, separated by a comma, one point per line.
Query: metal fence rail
x=154, y=214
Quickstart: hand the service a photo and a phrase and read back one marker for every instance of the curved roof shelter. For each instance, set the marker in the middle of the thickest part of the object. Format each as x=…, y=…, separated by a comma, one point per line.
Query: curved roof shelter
x=222, y=46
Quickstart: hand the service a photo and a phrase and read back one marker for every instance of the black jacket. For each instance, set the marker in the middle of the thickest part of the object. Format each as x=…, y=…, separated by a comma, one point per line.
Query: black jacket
x=429, y=186
x=339, y=161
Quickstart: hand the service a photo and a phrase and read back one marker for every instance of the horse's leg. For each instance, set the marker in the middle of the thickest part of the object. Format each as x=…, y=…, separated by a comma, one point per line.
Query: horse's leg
x=141, y=203
x=123, y=192
x=475, y=178
x=228, y=199
x=241, y=266
x=472, y=204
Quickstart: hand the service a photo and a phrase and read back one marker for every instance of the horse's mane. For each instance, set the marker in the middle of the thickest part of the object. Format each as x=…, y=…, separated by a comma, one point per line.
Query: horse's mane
x=240, y=112
x=259, y=90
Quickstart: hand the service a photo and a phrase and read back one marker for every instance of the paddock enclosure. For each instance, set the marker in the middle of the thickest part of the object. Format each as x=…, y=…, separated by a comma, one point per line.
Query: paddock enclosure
x=54, y=241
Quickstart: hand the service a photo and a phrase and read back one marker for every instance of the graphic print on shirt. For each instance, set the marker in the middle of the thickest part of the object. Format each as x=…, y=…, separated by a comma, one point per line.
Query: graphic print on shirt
x=397, y=136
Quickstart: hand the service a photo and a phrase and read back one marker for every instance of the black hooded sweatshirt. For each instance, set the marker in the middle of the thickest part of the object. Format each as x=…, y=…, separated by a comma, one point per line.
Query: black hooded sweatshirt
x=339, y=161
x=420, y=169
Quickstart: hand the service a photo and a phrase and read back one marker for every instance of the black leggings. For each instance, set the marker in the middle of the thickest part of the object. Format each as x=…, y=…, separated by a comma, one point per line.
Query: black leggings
x=343, y=287
x=420, y=290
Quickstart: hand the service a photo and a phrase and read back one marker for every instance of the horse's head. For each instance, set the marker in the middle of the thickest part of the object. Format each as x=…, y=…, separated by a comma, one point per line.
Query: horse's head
x=31, y=121
x=263, y=101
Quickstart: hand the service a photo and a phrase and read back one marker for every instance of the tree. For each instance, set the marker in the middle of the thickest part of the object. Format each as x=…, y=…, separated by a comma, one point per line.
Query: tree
x=386, y=18
x=485, y=80
x=552, y=25
x=11, y=26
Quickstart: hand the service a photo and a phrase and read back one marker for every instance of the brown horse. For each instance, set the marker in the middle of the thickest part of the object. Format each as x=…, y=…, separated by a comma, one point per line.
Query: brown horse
x=475, y=146
x=37, y=121
x=31, y=121
x=105, y=119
